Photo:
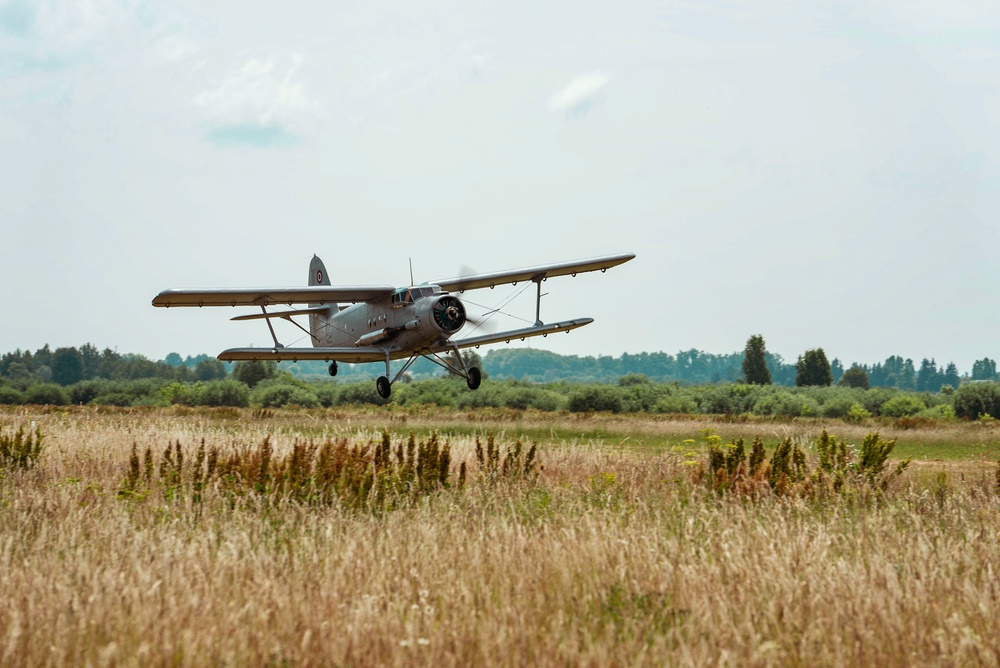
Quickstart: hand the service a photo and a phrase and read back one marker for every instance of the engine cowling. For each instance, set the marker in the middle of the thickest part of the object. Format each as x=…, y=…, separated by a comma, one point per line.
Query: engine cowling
x=448, y=314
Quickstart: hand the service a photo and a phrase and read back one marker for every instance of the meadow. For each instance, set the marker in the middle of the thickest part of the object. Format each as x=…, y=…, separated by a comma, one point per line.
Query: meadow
x=331, y=537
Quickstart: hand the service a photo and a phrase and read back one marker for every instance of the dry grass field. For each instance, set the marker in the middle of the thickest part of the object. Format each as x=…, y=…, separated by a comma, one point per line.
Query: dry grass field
x=610, y=549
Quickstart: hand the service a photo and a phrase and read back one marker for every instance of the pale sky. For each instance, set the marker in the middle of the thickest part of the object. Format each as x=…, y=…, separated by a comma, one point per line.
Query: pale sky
x=821, y=174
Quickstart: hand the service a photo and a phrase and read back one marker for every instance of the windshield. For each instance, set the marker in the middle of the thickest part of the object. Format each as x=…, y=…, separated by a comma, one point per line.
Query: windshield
x=404, y=296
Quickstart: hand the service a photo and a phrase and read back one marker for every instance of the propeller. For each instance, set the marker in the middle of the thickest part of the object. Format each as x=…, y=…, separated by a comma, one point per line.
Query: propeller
x=449, y=314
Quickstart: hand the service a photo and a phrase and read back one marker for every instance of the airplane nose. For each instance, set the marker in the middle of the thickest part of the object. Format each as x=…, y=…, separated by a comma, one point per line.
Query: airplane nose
x=449, y=314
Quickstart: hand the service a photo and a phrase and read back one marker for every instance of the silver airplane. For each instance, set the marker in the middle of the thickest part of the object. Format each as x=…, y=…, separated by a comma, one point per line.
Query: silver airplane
x=384, y=323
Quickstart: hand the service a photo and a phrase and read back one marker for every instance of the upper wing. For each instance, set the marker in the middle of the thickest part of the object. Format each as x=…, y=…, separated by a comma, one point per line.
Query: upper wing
x=318, y=294
x=532, y=273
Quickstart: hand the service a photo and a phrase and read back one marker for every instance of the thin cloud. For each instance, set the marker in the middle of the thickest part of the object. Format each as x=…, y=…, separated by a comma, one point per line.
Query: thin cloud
x=250, y=135
x=17, y=18
x=176, y=47
x=577, y=98
x=257, y=105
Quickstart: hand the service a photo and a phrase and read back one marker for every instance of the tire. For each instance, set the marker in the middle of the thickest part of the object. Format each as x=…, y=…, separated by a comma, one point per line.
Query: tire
x=475, y=378
x=383, y=387
x=333, y=368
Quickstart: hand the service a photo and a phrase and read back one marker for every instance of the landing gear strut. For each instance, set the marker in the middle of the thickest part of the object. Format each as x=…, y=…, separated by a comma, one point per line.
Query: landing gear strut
x=333, y=368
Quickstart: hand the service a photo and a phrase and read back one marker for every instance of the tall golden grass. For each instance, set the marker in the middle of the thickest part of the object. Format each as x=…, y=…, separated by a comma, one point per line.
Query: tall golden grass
x=603, y=556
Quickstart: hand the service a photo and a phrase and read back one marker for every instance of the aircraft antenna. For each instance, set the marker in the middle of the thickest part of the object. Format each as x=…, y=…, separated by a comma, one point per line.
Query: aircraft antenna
x=411, y=272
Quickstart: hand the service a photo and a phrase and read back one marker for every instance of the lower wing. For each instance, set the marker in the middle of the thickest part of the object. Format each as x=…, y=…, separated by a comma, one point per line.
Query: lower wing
x=360, y=355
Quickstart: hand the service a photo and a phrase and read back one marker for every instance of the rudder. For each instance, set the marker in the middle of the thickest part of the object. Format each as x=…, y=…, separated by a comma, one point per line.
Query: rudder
x=318, y=321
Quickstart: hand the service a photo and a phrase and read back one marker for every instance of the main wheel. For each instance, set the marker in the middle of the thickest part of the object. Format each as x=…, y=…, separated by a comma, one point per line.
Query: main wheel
x=333, y=368
x=383, y=387
x=475, y=378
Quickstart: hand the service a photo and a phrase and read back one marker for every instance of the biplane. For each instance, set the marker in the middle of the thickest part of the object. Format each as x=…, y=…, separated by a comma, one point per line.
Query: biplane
x=382, y=323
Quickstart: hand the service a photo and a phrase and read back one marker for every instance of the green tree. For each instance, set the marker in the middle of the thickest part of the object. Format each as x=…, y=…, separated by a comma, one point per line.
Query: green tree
x=951, y=376
x=755, y=362
x=252, y=372
x=209, y=369
x=984, y=369
x=929, y=378
x=837, y=369
x=813, y=369
x=67, y=366
x=854, y=377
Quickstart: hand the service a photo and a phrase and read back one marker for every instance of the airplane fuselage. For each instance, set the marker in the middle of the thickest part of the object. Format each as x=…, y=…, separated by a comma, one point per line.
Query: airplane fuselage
x=407, y=320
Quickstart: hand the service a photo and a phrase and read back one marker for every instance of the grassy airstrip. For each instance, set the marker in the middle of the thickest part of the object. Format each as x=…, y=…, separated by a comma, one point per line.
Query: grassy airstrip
x=184, y=536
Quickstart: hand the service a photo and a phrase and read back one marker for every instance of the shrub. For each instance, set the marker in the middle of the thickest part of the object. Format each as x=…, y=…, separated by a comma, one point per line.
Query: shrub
x=20, y=449
x=675, y=403
x=975, y=399
x=596, y=398
x=47, y=394
x=639, y=397
x=227, y=392
x=838, y=406
x=440, y=391
x=363, y=392
x=87, y=390
x=857, y=414
x=113, y=399
x=839, y=467
x=939, y=412
x=326, y=393
x=274, y=396
x=531, y=397
x=493, y=467
x=11, y=395
x=370, y=476
x=778, y=402
x=903, y=405
x=726, y=399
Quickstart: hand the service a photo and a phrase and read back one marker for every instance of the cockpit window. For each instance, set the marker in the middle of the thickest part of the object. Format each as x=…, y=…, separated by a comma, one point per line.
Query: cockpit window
x=404, y=296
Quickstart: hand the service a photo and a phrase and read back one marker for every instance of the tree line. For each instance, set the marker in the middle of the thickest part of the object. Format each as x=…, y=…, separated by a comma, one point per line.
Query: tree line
x=755, y=365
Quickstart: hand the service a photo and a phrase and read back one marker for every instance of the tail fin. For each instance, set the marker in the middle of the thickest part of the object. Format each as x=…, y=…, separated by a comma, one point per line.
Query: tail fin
x=318, y=321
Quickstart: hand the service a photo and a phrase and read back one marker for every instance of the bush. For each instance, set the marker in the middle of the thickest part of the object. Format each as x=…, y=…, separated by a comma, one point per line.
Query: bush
x=857, y=414
x=277, y=395
x=47, y=394
x=326, y=392
x=727, y=399
x=596, y=398
x=20, y=449
x=785, y=403
x=11, y=396
x=363, y=392
x=903, y=405
x=837, y=406
x=86, y=391
x=113, y=399
x=675, y=403
x=227, y=392
x=975, y=399
x=939, y=412
x=642, y=397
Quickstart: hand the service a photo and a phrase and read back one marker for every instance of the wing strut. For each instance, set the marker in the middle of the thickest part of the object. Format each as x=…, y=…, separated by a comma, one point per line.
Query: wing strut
x=538, y=301
x=270, y=327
